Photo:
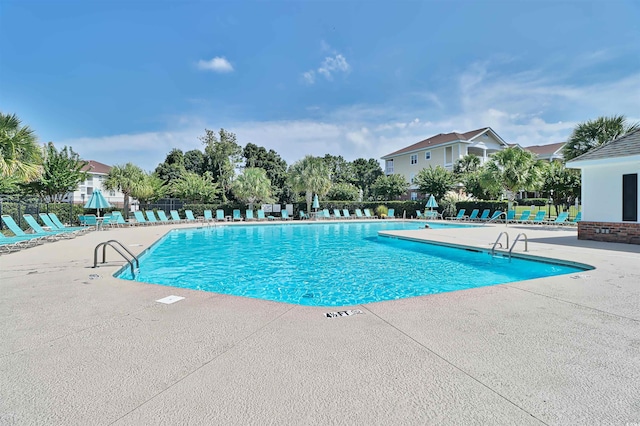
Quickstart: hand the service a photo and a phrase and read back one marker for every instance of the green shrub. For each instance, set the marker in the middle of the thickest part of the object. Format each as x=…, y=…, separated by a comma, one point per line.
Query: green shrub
x=382, y=211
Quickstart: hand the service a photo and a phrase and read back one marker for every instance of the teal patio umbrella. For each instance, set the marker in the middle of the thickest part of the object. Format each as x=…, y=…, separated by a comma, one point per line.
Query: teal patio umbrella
x=432, y=202
x=97, y=201
x=316, y=203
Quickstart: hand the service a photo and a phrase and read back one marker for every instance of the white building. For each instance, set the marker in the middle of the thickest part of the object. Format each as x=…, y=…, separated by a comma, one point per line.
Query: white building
x=610, y=191
x=97, y=173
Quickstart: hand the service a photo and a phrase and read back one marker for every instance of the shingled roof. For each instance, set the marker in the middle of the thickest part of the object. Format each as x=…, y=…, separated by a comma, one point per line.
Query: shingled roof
x=440, y=139
x=625, y=146
x=96, y=167
x=545, y=150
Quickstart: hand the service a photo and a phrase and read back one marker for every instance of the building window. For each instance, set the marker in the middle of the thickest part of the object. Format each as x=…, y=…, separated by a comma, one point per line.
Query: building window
x=89, y=190
x=411, y=180
x=427, y=155
x=414, y=196
x=448, y=156
x=414, y=158
x=112, y=193
x=389, y=167
x=630, y=197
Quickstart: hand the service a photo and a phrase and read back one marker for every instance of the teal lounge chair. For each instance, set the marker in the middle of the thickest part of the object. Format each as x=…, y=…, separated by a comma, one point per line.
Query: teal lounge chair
x=39, y=230
x=511, y=216
x=12, y=244
x=539, y=218
x=248, y=215
x=391, y=214
x=473, y=215
x=359, y=214
x=220, y=215
x=175, y=216
x=208, y=216
x=485, y=215
x=189, y=215
x=261, y=215
x=419, y=215
x=285, y=215
x=48, y=221
x=236, y=215
x=432, y=215
x=560, y=220
x=495, y=216
x=345, y=213
x=303, y=215
x=577, y=219
x=162, y=217
x=459, y=216
x=151, y=217
x=140, y=218
x=524, y=217
x=336, y=214
x=368, y=215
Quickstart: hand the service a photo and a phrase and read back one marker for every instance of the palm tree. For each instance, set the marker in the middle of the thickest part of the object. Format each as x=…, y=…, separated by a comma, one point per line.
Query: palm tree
x=253, y=186
x=125, y=179
x=312, y=176
x=467, y=164
x=512, y=170
x=20, y=155
x=591, y=134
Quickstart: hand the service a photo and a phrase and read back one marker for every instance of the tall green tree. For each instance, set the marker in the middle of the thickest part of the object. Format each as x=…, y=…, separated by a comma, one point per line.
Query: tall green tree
x=61, y=173
x=565, y=183
x=435, y=181
x=390, y=187
x=194, y=161
x=253, y=186
x=365, y=173
x=474, y=185
x=126, y=179
x=593, y=133
x=513, y=170
x=340, y=169
x=467, y=164
x=194, y=188
x=271, y=162
x=20, y=155
x=150, y=189
x=222, y=155
x=172, y=167
x=311, y=176
x=343, y=192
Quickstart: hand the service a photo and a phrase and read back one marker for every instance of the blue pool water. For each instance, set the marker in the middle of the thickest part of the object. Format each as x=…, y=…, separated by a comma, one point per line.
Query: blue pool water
x=326, y=264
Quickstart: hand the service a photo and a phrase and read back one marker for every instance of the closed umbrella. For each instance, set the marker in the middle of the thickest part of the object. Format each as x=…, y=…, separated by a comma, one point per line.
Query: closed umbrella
x=432, y=202
x=97, y=201
x=316, y=203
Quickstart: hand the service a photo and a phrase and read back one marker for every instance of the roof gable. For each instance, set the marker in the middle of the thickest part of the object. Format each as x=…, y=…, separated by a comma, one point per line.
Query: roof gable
x=545, y=150
x=625, y=146
x=96, y=167
x=442, y=139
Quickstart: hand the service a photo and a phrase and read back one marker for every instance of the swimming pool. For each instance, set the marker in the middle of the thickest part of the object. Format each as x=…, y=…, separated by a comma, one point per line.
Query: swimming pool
x=324, y=264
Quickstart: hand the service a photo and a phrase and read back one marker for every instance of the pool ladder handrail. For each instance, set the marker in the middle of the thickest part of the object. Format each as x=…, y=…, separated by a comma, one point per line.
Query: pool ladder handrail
x=526, y=243
x=493, y=249
x=110, y=243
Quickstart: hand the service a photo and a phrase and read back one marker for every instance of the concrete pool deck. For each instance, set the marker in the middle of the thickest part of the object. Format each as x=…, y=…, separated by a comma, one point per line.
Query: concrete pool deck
x=78, y=346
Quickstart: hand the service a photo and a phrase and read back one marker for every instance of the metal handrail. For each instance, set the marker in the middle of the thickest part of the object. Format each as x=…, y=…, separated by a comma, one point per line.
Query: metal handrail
x=104, y=254
x=526, y=243
x=493, y=249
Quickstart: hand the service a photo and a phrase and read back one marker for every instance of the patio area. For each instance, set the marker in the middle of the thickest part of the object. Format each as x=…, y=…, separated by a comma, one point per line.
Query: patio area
x=78, y=346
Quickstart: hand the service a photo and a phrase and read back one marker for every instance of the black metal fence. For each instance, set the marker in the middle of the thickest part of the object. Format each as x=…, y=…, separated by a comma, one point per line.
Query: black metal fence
x=15, y=207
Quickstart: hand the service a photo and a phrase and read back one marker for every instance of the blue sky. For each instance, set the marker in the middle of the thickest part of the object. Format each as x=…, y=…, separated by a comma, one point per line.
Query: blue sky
x=127, y=81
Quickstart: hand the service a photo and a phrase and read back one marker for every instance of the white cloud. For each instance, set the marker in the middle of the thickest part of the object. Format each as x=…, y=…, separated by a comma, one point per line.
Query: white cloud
x=309, y=77
x=334, y=64
x=330, y=66
x=218, y=64
x=525, y=108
